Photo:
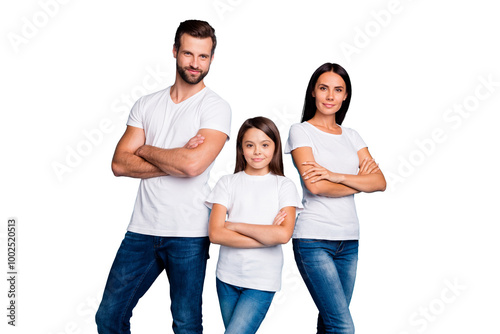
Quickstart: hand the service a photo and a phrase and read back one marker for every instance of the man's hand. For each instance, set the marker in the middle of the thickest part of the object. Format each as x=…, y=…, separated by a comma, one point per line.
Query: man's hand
x=195, y=141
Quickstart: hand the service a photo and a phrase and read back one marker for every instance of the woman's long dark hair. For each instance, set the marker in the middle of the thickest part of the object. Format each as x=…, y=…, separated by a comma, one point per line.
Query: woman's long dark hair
x=310, y=102
x=269, y=128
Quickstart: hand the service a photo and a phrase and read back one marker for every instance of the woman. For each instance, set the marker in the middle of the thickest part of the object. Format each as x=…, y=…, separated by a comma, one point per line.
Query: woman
x=334, y=164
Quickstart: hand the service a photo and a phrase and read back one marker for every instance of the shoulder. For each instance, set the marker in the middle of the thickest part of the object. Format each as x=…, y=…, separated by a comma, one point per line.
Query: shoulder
x=230, y=179
x=299, y=126
x=354, y=137
x=212, y=98
x=349, y=131
x=299, y=129
x=153, y=97
x=284, y=181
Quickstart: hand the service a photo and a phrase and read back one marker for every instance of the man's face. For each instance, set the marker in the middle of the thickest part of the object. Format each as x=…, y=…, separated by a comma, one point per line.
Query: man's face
x=193, y=58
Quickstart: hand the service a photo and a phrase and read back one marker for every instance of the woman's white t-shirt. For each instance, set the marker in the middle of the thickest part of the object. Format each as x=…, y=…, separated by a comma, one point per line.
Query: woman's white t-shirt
x=254, y=200
x=323, y=217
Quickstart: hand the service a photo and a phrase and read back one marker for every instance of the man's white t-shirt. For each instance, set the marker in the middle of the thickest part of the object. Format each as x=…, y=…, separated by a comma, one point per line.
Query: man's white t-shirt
x=325, y=217
x=167, y=205
x=254, y=200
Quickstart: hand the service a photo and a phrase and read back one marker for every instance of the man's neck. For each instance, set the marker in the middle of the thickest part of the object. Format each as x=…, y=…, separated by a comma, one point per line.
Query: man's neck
x=181, y=90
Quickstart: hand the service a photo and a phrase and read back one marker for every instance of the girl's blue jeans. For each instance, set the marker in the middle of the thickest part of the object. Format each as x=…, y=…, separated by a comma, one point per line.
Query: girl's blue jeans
x=242, y=309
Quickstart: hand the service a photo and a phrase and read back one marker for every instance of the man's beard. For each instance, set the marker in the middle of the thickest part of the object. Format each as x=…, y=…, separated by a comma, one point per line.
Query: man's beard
x=188, y=78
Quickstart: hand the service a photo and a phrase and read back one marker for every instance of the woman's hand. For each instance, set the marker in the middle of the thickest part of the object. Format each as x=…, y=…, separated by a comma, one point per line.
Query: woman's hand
x=368, y=166
x=317, y=173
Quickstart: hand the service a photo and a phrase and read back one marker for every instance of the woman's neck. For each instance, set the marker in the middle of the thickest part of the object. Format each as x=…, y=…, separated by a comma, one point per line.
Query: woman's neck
x=325, y=122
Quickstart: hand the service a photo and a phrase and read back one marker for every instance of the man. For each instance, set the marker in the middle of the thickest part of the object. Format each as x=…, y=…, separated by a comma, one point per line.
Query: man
x=172, y=138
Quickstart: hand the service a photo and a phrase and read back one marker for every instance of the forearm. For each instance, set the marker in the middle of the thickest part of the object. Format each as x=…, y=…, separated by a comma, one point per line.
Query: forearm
x=225, y=237
x=179, y=162
x=128, y=164
x=364, y=183
x=269, y=235
x=330, y=189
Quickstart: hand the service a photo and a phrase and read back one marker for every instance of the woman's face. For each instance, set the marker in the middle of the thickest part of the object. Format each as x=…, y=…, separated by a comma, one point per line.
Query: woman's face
x=329, y=92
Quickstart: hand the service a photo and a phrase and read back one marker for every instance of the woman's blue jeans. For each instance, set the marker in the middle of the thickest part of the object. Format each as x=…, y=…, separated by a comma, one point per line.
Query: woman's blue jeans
x=139, y=261
x=242, y=309
x=328, y=268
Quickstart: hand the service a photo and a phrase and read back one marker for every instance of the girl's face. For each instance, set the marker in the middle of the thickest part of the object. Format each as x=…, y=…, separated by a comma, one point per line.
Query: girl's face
x=258, y=150
x=329, y=92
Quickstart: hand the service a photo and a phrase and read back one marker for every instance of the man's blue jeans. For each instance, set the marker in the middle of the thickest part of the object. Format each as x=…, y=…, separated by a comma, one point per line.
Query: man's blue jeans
x=242, y=309
x=329, y=270
x=139, y=261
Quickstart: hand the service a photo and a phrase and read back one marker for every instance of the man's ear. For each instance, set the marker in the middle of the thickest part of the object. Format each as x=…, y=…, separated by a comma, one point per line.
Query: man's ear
x=174, y=51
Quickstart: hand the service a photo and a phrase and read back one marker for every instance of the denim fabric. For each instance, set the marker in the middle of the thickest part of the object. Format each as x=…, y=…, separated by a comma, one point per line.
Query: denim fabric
x=139, y=261
x=328, y=268
x=242, y=309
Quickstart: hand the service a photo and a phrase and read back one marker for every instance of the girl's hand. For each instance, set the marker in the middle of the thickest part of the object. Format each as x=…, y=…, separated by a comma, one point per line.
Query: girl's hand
x=195, y=141
x=280, y=217
x=368, y=166
x=317, y=173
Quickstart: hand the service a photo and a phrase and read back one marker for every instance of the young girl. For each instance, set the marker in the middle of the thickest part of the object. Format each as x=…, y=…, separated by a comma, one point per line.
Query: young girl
x=260, y=204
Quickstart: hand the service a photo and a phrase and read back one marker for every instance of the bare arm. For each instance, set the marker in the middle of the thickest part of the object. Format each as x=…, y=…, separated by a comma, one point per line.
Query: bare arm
x=126, y=163
x=185, y=162
x=219, y=234
x=323, y=187
x=371, y=182
x=279, y=232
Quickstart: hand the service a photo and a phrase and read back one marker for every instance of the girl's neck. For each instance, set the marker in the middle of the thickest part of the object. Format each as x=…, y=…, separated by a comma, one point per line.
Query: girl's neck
x=256, y=172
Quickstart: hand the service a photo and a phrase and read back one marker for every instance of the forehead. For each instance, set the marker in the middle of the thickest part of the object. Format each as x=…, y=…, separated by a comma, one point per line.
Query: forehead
x=330, y=79
x=194, y=44
x=255, y=135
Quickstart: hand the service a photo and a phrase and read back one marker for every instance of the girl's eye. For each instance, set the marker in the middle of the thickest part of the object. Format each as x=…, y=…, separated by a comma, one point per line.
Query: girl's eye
x=265, y=145
x=249, y=145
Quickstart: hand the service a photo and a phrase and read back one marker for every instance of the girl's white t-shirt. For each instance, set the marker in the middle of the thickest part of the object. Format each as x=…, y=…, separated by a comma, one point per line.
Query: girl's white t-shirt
x=323, y=217
x=254, y=200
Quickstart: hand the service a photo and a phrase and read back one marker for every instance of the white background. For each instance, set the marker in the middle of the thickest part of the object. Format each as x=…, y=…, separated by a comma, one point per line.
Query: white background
x=70, y=70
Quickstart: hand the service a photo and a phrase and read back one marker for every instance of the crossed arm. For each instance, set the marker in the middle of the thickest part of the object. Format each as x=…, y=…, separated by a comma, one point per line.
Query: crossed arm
x=320, y=181
x=243, y=235
x=135, y=159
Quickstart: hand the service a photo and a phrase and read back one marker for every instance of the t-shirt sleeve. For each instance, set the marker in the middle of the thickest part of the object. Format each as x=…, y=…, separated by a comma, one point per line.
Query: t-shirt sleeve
x=297, y=137
x=356, y=140
x=220, y=194
x=216, y=115
x=289, y=196
x=136, y=115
